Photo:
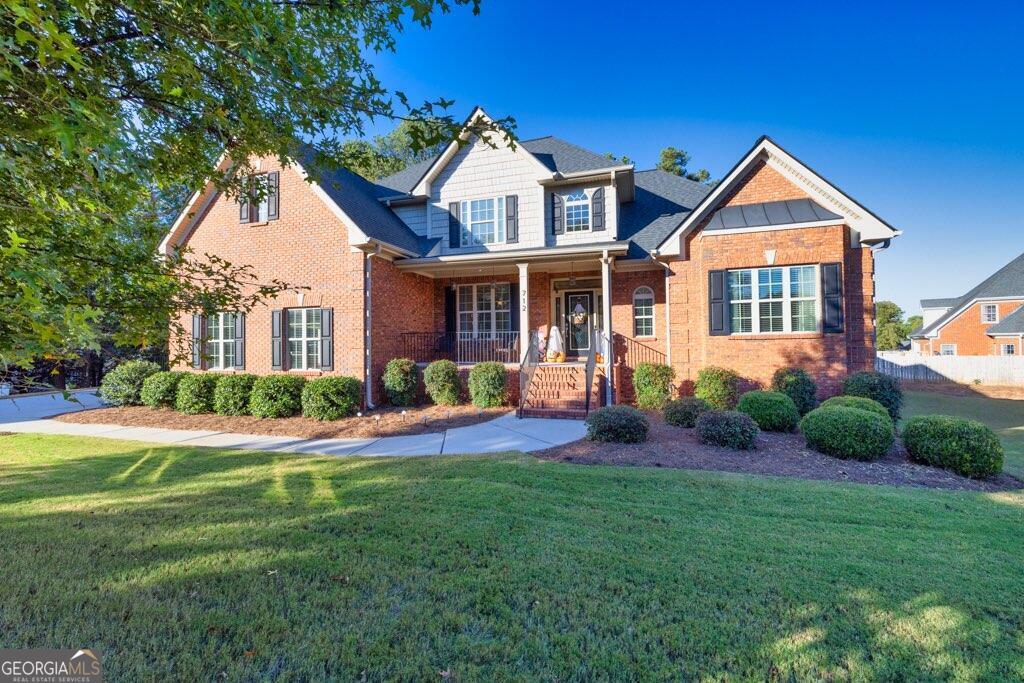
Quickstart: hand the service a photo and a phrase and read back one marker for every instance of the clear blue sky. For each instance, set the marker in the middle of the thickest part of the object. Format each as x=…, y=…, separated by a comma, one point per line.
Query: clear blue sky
x=917, y=112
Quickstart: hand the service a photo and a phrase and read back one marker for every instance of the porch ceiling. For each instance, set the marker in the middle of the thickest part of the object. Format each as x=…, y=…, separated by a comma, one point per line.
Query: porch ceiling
x=544, y=259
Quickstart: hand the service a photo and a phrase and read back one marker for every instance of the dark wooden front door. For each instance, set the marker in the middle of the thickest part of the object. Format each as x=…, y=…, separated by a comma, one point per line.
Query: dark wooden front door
x=579, y=314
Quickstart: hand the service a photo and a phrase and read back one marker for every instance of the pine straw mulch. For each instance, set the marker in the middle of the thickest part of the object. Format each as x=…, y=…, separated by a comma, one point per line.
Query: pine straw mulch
x=783, y=455
x=417, y=420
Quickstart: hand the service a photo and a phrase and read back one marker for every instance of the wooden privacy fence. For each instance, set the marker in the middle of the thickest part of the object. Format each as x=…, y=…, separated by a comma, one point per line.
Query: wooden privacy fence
x=1001, y=370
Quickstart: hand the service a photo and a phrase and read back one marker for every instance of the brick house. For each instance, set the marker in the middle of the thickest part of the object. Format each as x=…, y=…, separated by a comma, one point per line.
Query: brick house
x=480, y=253
x=988, y=320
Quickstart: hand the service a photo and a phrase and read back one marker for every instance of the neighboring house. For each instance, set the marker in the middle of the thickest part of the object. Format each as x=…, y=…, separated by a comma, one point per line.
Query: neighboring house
x=988, y=320
x=477, y=254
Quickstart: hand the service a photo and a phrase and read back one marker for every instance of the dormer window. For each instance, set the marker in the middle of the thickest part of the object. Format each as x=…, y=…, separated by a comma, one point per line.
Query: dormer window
x=577, y=212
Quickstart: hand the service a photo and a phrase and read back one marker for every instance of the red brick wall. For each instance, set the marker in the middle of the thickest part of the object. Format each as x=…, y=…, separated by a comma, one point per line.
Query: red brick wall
x=970, y=334
x=763, y=184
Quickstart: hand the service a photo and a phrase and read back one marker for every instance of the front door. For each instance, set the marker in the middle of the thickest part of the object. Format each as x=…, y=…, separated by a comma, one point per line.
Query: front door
x=579, y=310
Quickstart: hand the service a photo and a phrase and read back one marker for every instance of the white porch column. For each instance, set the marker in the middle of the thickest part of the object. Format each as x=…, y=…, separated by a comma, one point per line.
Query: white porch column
x=606, y=319
x=524, y=310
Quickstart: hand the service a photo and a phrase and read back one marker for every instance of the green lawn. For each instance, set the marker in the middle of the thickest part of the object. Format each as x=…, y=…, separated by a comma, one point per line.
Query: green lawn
x=184, y=564
x=1004, y=416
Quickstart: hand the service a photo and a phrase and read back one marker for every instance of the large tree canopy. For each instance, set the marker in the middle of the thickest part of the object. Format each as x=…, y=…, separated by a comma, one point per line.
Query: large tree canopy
x=111, y=108
x=675, y=161
x=891, y=330
x=390, y=153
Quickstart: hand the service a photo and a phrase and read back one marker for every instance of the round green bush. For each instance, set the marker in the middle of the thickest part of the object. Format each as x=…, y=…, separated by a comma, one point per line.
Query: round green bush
x=331, y=398
x=683, y=412
x=617, y=424
x=400, y=379
x=652, y=383
x=122, y=386
x=773, y=411
x=727, y=428
x=195, y=393
x=160, y=390
x=798, y=385
x=487, y=385
x=720, y=387
x=276, y=396
x=857, y=402
x=441, y=381
x=878, y=387
x=966, y=447
x=848, y=433
x=231, y=397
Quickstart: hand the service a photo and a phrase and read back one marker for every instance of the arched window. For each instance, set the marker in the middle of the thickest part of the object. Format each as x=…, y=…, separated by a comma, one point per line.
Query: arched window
x=643, y=312
x=577, y=212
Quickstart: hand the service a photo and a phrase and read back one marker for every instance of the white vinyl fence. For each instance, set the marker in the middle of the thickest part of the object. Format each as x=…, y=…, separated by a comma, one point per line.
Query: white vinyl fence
x=1000, y=370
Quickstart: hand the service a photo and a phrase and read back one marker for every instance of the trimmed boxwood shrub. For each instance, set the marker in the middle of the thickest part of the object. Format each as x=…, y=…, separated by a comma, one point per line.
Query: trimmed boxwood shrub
x=618, y=424
x=720, y=387
x=773, y=411
x=195, y=393
x=798, y=385
x=487, y=385
x=441, y=381
x=652, y=383
x=878, y=387
x=122, y=386
x=331, y=398
x=966, y=447
x=727, y=428
x=400, y=379
x=231, y=397
x=160, y=390
x=683, y=412
x=276, y=396
x=848, y=433
x=857, y=402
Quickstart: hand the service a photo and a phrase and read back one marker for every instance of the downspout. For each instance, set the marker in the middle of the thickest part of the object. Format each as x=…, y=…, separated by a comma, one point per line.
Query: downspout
x=368, y=324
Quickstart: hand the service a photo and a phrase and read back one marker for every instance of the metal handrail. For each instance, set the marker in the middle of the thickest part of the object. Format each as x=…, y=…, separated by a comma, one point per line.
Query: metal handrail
x=527, y=368
x=461, y=347
x=633, y=352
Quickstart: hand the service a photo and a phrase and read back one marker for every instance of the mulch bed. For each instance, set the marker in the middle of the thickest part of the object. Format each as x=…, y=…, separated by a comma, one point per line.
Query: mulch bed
x=417, y=420
x=784, y=455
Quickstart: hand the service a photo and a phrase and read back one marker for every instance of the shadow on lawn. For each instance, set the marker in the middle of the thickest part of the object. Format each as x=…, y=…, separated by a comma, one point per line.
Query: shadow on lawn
x=265, y=565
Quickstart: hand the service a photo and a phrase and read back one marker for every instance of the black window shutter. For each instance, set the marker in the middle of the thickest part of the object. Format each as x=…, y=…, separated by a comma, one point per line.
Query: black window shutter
x=832, y=295
x=597, y=209
x=243, y=203
x=326, y=338
x=513, y=292
x=197, y=341
x=276, y=340
x=557, y=214
x=454, y=226
x=512, y=219
x=718, y=303
x=239, y=341
x=273, y=194
x=449, y=311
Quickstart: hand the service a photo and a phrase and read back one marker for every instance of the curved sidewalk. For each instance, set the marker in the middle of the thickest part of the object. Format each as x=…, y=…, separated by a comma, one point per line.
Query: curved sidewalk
x=506, y=433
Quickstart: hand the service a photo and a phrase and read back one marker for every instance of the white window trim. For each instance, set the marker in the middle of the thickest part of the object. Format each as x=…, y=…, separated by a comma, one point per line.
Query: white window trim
x=475, y=312
x=466, y=238
x=786, y=300
x=585, y=202
x=985, y=307
x=220, y=341
x=1003, y=346
x=943, y=347
x=305, y=339
x=636, y=292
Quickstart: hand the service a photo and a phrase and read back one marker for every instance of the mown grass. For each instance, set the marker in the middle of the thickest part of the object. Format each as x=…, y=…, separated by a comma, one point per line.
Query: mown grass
x=182, y=564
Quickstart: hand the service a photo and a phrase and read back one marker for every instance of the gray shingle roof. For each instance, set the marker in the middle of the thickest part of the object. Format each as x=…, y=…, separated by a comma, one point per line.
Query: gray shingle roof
x=769, y=213
x=406, y=179
x=939, y=303
x=662, y=201
x=1006, y=282
x=1011, y=324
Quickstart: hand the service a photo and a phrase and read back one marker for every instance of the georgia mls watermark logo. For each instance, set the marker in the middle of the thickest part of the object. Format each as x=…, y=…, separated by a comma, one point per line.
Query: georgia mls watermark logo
x=50, y=666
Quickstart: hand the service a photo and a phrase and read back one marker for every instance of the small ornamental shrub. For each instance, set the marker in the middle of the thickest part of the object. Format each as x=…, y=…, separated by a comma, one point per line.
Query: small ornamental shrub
x=966, y=447
x=727, y=428
x=720, y=387
x=160, y=390
x=652, y=383
x=122, y=386
x=231, y=397
x=848, y=433
x=331, y=398
x=878, y=387
x=618, y=424
x=798, y=385
x=683, y=412
x=857, y=402
x=276, y=396
x=487, y=385
x=195, y=393
x=441, y=381
x=400, y=378
x=773, y=411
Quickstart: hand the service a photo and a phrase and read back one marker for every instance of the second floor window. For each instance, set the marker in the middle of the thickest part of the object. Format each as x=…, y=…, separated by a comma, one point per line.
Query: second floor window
x=263, y=205
x=989, y=313
x=483, y=221
x=304, y=331
x=220, y=341
x=577, y=212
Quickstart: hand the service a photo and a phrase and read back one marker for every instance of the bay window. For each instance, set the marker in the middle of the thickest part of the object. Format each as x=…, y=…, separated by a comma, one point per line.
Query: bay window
x=772, y=300
x=304, y=332
x=484, y=310
x=220, y=341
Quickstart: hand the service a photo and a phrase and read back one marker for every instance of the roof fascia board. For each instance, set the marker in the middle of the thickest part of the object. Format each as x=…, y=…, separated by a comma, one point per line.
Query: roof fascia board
x=615, y=248
x=172, y=238
x=592, y=172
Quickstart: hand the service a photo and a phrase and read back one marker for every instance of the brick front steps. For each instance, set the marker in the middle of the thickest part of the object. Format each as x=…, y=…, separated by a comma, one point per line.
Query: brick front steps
x=558, y=391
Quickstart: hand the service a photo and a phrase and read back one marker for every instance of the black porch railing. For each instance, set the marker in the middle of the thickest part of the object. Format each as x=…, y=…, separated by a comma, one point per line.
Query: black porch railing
x=461, y=347
x=630, y=353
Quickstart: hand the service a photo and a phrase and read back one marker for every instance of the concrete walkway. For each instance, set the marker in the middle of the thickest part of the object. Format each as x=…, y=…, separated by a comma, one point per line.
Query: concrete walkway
x=506, y=433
